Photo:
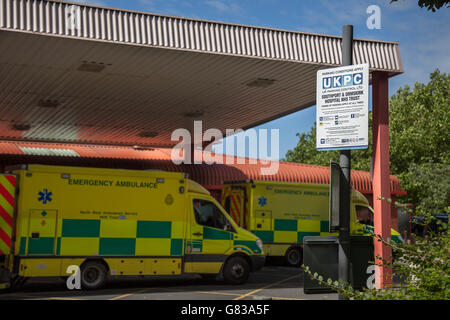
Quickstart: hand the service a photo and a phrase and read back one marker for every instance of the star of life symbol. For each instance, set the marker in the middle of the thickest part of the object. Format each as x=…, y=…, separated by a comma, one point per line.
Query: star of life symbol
x=262, y=201
x=45, y=196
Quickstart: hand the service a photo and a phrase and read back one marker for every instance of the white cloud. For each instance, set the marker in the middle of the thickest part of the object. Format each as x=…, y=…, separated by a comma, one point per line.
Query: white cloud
x=217, y=5
x=400, y=5
x=92, y=2
x=228, y=7
x=170, y=7
x=423, y=44
x=329, y=16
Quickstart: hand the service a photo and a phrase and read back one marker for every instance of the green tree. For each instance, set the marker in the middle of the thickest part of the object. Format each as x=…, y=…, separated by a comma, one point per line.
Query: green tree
x=432, y=5
x=419, y=143
x=305, y=151
x=428, y=187
x=423, y=268
x=419, y=140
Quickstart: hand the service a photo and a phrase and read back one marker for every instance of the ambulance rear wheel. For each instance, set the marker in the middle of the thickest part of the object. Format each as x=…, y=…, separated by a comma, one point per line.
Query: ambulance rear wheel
x=93, y=275
x=293, y=257
x=236, y=270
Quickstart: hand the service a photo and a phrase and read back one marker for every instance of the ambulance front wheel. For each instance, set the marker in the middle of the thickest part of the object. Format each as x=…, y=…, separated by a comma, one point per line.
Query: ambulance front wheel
x=236, y=270
x=294, y=256
x=93, y=275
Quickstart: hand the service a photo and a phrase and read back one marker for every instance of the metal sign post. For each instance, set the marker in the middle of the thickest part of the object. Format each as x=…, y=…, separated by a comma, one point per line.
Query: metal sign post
x=345, y=163
x=342, y=124
x=335, y=196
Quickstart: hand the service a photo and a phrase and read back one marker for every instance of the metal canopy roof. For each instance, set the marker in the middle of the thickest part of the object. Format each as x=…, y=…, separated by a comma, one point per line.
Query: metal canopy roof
x=210, y=176
x=131, y=78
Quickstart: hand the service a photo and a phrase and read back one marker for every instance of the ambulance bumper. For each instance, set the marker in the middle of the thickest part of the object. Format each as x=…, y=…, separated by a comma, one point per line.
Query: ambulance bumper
x=4, y=279
x=257, y=262
x=4, y=286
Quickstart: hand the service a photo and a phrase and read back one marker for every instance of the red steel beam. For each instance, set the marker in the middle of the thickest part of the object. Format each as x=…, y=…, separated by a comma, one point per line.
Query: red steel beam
x=381, y=187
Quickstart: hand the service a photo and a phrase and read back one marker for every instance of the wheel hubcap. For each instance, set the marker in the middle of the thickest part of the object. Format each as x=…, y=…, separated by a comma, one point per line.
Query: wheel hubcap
x=294, y=257
x=237, y=271
x=91, y=275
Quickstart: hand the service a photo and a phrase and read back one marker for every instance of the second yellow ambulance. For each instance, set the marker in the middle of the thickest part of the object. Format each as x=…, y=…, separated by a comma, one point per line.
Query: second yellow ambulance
x=281, y=214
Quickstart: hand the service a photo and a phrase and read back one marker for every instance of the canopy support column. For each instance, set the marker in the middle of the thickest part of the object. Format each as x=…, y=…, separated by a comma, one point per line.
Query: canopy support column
x=381, y=181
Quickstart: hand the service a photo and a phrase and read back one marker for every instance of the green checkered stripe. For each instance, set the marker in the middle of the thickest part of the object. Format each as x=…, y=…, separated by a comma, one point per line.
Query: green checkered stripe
x=291, y=231
x=215, y=234
x=369, y=230
x=248, y=246
x=160, y=235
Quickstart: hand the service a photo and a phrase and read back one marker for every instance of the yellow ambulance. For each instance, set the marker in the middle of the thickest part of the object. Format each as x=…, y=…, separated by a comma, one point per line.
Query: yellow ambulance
x=113, y=222
x=281, y=214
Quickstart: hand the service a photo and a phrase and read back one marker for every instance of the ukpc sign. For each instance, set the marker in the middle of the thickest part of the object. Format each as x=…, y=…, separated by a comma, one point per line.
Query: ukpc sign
x=343, y=108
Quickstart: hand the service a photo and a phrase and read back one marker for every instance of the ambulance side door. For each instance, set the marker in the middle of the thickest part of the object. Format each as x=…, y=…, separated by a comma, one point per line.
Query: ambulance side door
x=42, y=232
x=211, y=234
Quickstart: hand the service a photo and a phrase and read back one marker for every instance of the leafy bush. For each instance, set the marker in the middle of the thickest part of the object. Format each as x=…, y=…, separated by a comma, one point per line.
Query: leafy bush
x=423, y=269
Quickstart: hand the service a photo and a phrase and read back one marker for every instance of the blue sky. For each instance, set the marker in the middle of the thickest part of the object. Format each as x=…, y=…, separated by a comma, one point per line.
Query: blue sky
x=423, y=35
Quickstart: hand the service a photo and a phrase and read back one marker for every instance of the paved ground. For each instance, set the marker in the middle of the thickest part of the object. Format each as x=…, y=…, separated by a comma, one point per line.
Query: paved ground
x=275, y=282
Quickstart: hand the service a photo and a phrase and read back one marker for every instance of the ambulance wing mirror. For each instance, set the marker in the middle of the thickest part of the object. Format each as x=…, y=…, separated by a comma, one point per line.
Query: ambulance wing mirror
x=229, y=227
x=336, y=178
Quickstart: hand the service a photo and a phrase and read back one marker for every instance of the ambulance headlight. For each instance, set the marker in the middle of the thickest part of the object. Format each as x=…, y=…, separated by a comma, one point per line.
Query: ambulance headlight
x=259, y=244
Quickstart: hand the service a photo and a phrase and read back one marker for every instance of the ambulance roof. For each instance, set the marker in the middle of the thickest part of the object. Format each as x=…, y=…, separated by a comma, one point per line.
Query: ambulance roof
x=196, y=187
x=96, y=171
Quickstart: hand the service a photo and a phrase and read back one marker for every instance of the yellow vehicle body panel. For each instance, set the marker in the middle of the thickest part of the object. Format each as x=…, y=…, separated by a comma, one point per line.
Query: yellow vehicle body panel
x=137, y=222
x=203, y=268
